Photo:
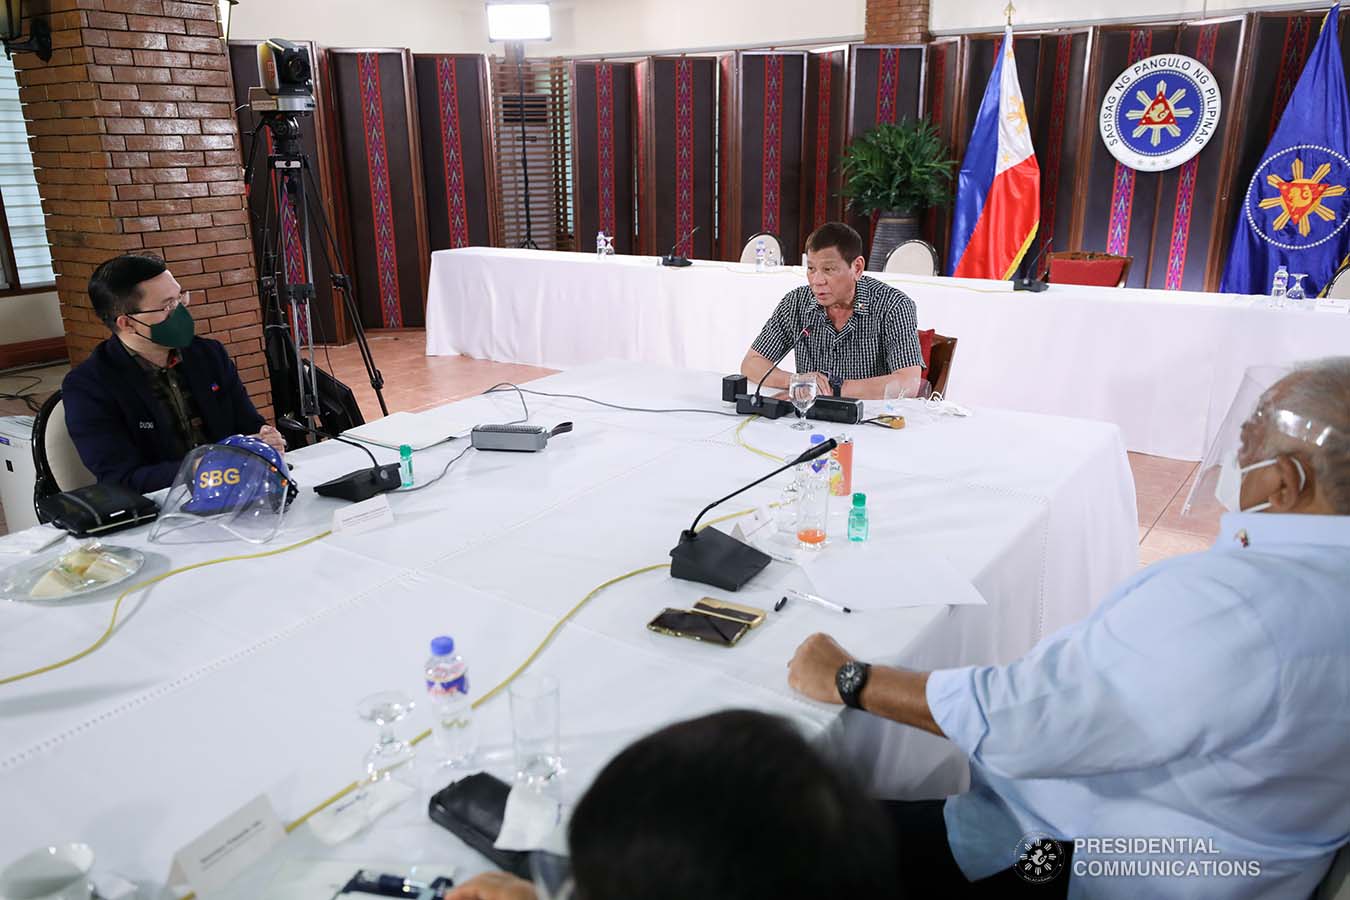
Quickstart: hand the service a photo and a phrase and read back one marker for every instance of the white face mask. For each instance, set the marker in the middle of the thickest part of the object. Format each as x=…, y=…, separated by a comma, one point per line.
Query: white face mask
x=1228, y=491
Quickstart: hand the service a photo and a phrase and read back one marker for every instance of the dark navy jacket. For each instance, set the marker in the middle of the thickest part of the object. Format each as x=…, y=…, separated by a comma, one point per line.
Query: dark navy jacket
x=121, y=429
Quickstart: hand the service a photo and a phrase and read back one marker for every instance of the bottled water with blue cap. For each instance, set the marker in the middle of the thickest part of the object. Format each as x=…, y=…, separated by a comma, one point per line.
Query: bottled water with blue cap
x=447, y=677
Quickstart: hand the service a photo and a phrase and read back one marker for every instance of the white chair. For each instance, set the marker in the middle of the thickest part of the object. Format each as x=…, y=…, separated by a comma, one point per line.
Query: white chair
x=1340, y=287
x=912, y=257
x=773, y=251
x=58, y=463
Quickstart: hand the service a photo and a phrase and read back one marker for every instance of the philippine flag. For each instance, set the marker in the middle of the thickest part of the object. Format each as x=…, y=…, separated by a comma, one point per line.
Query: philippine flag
x=998, y=192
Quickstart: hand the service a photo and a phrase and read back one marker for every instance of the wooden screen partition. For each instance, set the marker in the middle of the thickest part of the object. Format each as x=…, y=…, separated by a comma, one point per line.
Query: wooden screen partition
x=1117, y=204
x=942, y=106
x=826, y=122
x=1060, y=115
x=763, y=103
x=326, y=312
x=677, y=128
x=457, y=165
x=530, y=100
x=373, y=93
x=603, y=132
x=886, y=85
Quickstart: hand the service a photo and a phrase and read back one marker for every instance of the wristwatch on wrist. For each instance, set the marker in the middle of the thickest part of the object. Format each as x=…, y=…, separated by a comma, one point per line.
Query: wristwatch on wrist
x=837, y=385
x=850, y=681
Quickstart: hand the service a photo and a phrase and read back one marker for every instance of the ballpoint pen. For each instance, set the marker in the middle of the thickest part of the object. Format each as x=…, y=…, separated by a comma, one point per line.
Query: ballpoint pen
x=813, y=598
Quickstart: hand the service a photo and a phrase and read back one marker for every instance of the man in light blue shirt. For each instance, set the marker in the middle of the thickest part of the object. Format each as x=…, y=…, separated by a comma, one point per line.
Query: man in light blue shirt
x=1191, y=737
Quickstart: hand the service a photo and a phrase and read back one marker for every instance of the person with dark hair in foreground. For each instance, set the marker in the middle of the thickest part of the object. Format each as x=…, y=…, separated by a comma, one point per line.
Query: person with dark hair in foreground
x=153, y=391
x=856, y=333
x=735, y=806
x=1204, y=707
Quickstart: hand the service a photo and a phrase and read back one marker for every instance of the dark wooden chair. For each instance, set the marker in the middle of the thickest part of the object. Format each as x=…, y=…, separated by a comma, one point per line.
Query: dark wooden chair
x=1088, y=268
x=940, y=362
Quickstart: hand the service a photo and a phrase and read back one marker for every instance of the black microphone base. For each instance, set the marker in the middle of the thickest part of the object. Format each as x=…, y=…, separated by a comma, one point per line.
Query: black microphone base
x=765, y=407
x=1035, y=285
x=712, y=557
x=362, y=485
x=678, y=262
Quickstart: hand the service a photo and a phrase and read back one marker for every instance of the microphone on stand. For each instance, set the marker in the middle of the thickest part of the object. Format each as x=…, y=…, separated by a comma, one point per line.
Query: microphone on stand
x=772, y=407
x=674, y=259
x=716, y=558
x=1030, y=282
x=355, y=486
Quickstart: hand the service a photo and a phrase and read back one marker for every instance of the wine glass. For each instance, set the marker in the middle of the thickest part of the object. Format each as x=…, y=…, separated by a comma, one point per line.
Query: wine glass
x=386, y=709
x=802, y=390
x=1296, y=294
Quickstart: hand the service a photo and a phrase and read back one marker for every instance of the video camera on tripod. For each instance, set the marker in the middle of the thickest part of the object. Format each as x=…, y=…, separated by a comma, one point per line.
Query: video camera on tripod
x=301, y=391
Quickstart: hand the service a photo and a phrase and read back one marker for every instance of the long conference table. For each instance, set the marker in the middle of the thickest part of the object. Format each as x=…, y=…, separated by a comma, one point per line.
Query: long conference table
x=240, y=679
x=1163, y=365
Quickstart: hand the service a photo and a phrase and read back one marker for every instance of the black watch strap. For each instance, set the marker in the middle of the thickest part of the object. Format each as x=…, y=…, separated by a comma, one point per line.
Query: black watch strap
x=850, y=681
x=837, y=385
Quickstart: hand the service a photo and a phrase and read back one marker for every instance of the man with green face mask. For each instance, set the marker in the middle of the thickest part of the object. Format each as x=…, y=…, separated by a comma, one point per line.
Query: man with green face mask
x=153, y=391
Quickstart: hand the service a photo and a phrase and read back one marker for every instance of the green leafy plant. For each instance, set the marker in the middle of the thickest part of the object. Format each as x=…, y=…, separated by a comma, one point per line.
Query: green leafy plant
x=902, y=167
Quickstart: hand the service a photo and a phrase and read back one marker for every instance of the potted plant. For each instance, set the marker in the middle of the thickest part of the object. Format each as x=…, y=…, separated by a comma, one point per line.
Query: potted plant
x=897, y=171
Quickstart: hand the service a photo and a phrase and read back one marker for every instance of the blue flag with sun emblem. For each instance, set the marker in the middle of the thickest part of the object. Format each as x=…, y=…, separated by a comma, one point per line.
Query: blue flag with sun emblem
x=1296, y=211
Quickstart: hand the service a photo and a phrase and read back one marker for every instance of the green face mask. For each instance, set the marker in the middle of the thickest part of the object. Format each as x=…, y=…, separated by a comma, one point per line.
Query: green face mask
x=176, y=331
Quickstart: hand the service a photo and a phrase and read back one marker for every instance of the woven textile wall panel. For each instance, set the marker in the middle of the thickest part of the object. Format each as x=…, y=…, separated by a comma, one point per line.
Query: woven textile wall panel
x=383, y=175
x=942, y=104
x=603, y=138
x=886, y=85
x=763, y=96
x=676, y=127
x=453, y=117
x=826, y=118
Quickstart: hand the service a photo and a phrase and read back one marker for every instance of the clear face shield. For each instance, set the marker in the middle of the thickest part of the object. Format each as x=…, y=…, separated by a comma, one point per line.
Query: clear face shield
x=1254, y=417
x=238, y=489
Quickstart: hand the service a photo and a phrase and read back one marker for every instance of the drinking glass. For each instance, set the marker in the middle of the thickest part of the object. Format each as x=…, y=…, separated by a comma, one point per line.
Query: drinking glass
x=534, y=729
x=1296, y=294
x=802, y=390
x=552, y=876
x=386, y=709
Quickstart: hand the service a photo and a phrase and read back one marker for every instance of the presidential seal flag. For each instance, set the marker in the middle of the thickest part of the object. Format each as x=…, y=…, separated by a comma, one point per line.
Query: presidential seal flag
x=1296, y=207
x=998, y=193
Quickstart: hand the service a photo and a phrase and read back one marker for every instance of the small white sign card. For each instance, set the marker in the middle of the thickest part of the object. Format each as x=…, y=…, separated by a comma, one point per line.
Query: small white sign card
x=228, y=849
x=364, y=516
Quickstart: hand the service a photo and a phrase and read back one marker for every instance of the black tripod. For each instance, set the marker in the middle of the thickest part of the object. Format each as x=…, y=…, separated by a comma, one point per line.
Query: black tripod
x=295, y=391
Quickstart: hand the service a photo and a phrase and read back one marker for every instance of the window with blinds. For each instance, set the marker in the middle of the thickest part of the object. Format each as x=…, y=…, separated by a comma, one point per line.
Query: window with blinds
x=28, y=258
x=531, y=108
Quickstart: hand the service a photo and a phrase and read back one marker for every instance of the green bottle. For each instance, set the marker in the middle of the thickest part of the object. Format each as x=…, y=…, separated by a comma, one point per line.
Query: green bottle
x=857, y=519
x=405, y=472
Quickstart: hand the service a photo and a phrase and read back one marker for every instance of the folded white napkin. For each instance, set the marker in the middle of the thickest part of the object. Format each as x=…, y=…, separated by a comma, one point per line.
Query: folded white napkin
x=532, y=821
x=30, y=540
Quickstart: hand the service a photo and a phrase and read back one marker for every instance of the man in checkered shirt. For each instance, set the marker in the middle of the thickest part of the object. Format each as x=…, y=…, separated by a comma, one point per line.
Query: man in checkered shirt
x=856, y=333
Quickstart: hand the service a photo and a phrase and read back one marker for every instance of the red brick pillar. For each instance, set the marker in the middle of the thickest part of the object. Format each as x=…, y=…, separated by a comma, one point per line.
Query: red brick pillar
x=136, y=148
x=897, y=22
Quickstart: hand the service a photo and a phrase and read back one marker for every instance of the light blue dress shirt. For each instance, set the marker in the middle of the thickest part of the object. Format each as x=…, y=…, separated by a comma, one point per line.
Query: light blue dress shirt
x=1207, y=698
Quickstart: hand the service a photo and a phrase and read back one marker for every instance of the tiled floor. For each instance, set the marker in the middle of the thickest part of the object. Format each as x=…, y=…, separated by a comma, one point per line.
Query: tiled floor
x=415, y=381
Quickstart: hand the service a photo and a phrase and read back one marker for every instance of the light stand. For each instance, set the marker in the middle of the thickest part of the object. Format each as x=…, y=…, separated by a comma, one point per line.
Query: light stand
x=518, y=50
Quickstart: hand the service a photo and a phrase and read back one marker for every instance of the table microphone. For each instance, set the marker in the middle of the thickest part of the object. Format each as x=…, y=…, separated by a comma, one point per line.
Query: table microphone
x=716, y=558
x=1031, y=281
x=674, y=259
x=772, y=408
x=354, y=486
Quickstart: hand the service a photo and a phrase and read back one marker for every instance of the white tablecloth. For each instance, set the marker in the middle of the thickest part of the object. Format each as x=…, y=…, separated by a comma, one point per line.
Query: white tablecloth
x=1159, y=364
x=240, y=679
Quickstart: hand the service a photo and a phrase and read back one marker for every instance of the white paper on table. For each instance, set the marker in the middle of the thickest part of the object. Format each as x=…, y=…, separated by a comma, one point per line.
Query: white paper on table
x=531, y=821
x=887, y=575
x=30, y=540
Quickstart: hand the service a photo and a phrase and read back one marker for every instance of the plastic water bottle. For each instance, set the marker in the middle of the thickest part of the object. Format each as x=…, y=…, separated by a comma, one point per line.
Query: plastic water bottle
x=447, y=677
x=760, y=253
x=857, y=519
x=599, y=243
x=1279, y=287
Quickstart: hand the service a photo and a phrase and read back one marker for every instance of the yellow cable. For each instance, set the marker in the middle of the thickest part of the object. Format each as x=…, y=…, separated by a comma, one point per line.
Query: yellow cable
x=112, y=621
x=740, y=439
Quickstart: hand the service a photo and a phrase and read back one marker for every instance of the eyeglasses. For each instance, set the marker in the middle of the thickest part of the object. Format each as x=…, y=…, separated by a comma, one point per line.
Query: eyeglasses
x=168, y=306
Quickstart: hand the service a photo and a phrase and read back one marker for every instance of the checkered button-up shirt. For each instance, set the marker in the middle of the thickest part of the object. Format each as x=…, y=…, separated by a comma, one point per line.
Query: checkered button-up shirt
x=881, y=336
